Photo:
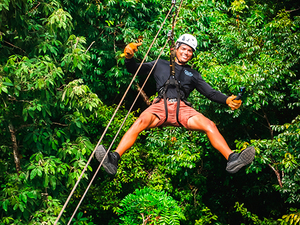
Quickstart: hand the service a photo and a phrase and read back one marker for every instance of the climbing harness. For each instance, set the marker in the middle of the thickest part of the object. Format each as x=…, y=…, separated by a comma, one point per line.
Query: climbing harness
x=172, y=81
x=114, y=114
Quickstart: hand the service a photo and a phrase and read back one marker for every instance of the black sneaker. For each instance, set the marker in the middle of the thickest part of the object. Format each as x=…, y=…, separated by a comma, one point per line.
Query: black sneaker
x=237, y=160
x=110, y=163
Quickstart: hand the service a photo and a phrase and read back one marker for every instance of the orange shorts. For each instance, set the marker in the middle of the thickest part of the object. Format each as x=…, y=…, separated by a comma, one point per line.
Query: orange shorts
x=185, y=112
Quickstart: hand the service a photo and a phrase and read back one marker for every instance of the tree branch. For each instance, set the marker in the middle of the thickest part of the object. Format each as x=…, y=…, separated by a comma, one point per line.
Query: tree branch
x=258, y=114
x=277, y=174
x=22, y=126
x=89, y=47
x=269, y=125
x=145, y=220
x=292, y=10
x=14, y=46
x=144, y=95
x=266, y=118
x=33, y=8
x=15, y=147
x=77, y=39
x=12, y=98
x=60, y=124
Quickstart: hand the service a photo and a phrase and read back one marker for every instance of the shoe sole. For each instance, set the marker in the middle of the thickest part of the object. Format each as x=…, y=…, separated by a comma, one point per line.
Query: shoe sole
x=108, y=167
x=246, y=157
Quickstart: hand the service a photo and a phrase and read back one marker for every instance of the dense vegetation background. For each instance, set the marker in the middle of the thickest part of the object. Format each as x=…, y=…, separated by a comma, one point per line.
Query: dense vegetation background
x=61, y=75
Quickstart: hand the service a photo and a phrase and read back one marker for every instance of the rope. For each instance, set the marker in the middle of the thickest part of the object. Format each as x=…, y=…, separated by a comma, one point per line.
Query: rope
x=104, y=132
x=83, y=196
x=178, y=13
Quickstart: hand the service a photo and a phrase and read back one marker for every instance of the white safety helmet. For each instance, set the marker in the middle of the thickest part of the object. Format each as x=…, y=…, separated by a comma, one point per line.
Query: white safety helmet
x=189, y=40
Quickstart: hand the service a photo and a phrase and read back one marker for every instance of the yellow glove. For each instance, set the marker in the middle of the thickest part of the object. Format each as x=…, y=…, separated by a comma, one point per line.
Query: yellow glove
x=232, y=103
x=130, y=49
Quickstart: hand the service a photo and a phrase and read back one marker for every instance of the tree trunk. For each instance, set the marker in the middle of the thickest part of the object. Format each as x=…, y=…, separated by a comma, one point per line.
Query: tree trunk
x=15, y=147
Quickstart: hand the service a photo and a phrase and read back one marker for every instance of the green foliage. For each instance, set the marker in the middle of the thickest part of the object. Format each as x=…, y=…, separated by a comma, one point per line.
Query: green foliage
x=75, y=55
x=45, y=109
x=60, y=22
x=61, y=74
x=292, y=218
x=147, y=205
x=208, y=218
x=80, y=220
x=252, y=217
x=281, y=154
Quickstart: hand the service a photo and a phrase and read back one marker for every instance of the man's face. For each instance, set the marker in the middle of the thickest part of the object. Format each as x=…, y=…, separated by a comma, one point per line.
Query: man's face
x=184, y=53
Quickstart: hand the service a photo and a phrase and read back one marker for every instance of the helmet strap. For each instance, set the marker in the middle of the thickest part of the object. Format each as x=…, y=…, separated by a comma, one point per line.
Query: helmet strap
x=179, y=60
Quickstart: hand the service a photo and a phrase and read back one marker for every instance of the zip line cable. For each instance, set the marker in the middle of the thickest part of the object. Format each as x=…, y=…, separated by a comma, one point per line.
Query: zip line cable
x=83, y=196
x=176, y=17
x=115, y=112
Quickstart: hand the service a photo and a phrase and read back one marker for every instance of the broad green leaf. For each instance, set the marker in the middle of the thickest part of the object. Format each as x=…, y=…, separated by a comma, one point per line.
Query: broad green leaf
x=33, y=173
x=23, y=197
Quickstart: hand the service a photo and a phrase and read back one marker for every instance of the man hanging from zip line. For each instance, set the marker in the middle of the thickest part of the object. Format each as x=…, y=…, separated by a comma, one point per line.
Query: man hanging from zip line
x=164, y=110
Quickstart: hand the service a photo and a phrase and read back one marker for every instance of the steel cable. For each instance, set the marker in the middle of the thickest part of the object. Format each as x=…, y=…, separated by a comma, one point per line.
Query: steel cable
x=83, y=196
x=104, y=132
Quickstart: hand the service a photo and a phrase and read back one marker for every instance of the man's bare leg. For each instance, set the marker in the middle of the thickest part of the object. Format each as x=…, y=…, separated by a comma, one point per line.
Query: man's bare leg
x=110, y=159
x=201, y=123
x=145, y=121
x=197, y=123
x=235, y=160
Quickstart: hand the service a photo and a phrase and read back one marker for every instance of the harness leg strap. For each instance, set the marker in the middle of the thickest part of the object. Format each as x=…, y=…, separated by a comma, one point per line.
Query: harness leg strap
x=177, y=110
x=166, y=106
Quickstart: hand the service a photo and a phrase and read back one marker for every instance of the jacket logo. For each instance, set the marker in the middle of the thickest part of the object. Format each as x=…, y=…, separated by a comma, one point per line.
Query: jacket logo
x=188, y=73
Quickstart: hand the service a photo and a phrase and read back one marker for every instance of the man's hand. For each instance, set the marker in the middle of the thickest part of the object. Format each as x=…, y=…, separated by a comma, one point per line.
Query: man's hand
x=232, y=103
x=130, y=49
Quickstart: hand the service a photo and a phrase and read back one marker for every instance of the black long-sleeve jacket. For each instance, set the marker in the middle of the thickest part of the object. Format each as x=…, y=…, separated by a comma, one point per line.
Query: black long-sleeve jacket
x=188, y=77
